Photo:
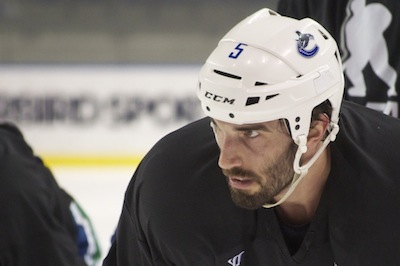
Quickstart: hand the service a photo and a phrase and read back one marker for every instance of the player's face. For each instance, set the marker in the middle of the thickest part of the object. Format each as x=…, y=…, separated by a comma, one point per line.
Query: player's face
x=257, y=160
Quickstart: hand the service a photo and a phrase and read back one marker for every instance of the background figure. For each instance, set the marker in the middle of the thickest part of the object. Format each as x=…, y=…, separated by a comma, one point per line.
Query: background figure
x=367, y=32
x=41, y=224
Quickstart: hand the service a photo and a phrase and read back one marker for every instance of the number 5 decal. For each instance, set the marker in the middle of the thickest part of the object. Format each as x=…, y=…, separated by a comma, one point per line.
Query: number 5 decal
x=238, y=51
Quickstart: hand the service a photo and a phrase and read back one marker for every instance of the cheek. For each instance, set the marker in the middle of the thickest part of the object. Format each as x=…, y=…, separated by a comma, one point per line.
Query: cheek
x=271, y=149
x=261, y=158
x=282, y=149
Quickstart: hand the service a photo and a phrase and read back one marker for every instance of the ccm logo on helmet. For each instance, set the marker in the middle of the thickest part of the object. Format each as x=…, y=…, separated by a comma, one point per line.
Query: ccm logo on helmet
x=218, y=98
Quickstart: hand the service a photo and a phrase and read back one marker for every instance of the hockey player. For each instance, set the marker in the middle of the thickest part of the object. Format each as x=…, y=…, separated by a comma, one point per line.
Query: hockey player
x=40, y=224
x=273, y=181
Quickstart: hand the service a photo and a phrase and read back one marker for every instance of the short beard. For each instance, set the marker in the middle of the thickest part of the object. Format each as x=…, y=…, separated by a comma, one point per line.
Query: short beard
x=279, y=173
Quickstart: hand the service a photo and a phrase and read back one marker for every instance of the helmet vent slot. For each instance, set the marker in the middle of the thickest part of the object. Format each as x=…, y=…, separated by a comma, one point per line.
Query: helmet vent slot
x=272, y=13
x=252, y=100
x=323, y=35
x=228, y=75
x=271, y=96
x=259, y=83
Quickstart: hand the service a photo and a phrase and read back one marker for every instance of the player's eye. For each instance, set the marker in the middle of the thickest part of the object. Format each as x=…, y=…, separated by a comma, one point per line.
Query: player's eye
x=251, y=133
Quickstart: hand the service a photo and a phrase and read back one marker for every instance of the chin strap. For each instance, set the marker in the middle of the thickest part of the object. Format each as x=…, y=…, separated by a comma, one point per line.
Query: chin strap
x=301, y=171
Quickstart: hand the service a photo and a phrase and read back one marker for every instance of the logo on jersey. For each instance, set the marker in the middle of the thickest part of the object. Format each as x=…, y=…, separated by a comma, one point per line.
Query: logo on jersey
x=306, y=44
x=235, y=261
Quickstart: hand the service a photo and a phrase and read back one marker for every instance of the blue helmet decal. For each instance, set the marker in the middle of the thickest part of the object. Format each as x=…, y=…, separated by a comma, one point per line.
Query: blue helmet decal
x=303, y=42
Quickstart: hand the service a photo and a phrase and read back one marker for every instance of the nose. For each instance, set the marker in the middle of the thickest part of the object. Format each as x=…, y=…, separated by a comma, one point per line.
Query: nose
x=229, y=156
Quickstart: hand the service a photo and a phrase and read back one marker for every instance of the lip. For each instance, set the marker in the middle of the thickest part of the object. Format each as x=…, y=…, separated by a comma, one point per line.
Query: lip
x=240, y=182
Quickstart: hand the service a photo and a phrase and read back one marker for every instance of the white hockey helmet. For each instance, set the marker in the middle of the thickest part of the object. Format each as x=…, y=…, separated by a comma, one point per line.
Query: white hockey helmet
x=272, y=67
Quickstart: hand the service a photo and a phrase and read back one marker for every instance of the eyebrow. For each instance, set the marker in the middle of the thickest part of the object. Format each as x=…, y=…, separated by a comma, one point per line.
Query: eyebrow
x=257, y=127
x=248, y=127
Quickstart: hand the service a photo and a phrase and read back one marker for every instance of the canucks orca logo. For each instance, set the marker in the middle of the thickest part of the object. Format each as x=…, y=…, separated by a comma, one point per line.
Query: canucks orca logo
x=303, y=42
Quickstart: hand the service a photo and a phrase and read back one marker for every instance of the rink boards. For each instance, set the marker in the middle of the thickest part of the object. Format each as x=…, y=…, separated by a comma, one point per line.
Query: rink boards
x=94, y=115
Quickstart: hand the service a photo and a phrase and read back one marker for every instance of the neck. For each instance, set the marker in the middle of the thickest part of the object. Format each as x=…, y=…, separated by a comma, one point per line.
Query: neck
x=300, y=207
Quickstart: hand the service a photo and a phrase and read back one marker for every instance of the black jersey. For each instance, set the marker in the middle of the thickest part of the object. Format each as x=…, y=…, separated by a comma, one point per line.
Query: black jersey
x=367, y=32
x=37, y=227
x=178, y=211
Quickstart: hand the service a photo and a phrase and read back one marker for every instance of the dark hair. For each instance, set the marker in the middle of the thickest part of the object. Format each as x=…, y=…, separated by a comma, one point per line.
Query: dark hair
x=323, y=108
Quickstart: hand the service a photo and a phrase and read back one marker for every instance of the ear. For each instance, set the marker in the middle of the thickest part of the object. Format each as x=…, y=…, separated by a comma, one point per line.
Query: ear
x=317, y=133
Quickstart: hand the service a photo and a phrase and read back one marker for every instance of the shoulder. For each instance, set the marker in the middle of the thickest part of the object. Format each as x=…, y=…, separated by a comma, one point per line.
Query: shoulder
x=370, y=138
x=365, y=176
x=187, y=152
x=182, y=150
x=196, y=132
x=12, y=141
x=366, y=148
x=179, y=178
x=365, y=156
x=365, y=124
x=23, y=175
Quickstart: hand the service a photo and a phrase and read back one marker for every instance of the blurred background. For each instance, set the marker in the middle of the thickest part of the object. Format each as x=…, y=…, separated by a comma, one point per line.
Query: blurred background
x=117, y=31
x=93, y=84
